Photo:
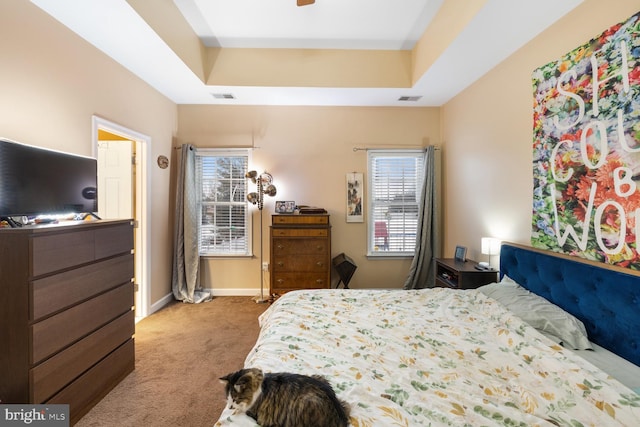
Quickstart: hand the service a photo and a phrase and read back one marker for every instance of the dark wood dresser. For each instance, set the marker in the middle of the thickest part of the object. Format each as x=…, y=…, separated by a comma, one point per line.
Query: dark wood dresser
x=66, y=318
x=300, y=252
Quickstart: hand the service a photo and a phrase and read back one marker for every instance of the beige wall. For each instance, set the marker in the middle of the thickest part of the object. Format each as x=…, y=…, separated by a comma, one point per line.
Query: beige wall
x=52, y=82
x=487, y=132
x=309, y=151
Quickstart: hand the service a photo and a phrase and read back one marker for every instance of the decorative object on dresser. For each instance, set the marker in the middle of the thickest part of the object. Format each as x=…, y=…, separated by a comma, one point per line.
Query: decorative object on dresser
x=452, y=273
x=264, y=182
x=300, y=252
x=66, y=318
x=308, y=210
x=285, y=207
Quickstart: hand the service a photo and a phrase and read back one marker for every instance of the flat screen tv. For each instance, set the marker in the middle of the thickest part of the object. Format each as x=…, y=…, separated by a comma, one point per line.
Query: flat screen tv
x=37, y=181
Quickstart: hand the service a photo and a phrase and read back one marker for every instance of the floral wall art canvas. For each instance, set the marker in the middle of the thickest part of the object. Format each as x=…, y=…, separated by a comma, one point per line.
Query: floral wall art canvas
x=586, y=149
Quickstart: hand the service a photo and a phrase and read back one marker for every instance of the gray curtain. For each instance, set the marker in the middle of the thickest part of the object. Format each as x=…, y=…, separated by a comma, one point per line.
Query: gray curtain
x=421, y=271
x=185, y=281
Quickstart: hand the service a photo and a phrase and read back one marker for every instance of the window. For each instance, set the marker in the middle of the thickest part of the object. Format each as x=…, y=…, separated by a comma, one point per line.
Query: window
x=223, y=214
x=395, y=185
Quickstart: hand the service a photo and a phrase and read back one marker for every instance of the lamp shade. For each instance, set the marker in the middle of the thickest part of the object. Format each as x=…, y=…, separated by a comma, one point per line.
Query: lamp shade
x=252, y=176
x=252, y=197
x=490, y=246
x=270, y=190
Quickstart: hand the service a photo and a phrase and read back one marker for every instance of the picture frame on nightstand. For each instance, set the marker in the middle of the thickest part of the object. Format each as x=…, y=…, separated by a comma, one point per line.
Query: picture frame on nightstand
x=460, y=254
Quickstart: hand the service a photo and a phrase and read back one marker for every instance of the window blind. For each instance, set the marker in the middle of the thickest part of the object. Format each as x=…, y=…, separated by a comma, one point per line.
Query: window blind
x=395, y=184
x=223, y=213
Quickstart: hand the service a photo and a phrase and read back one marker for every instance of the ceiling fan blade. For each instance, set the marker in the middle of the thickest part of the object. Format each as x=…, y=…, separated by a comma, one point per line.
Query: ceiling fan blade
x=305, y=2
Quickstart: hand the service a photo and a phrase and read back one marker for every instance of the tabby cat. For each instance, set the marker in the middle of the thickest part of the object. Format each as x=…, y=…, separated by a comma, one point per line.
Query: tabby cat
x=285, y=399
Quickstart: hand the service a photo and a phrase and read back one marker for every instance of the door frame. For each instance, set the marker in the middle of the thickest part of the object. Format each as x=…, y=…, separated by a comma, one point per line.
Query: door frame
x=142, y=204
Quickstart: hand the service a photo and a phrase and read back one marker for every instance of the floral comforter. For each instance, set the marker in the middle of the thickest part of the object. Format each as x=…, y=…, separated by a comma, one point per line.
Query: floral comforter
x=435, y=357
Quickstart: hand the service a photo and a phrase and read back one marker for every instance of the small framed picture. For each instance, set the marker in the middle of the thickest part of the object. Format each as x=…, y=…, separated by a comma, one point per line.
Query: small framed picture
x=461, y=253
x=285, y=207
x=355, y=197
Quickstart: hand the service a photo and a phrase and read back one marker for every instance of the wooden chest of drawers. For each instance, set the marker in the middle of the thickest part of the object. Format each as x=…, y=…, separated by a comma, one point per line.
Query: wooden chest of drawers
x=66, y=318
x=300, y=252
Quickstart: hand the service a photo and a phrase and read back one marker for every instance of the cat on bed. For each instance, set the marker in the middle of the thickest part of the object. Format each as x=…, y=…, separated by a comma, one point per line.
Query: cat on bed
x=285, y=399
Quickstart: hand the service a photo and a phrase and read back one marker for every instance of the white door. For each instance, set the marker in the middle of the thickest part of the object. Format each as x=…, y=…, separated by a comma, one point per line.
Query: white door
x=114, y=138
x=116, y=193
x=115, y=177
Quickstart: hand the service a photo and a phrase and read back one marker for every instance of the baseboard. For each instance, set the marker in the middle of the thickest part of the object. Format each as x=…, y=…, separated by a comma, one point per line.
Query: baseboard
x=231, y=292
x=161, y=303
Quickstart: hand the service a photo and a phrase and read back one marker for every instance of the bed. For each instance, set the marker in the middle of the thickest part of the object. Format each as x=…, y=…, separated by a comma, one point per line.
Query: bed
x=498, y=355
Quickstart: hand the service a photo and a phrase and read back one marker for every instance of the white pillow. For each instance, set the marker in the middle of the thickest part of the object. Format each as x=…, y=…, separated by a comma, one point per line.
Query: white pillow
x=544, y=316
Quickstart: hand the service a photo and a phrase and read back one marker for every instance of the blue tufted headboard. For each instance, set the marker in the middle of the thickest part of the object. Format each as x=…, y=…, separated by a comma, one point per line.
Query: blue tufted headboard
x=605, y=298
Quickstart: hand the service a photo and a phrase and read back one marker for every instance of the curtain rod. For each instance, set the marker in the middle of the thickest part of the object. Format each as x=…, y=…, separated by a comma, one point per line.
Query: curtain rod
x=399, y=147
x=224, y=147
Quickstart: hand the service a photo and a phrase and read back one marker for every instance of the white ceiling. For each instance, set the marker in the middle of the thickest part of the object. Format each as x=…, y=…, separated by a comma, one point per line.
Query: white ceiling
x=495, y=32
x=327, y=24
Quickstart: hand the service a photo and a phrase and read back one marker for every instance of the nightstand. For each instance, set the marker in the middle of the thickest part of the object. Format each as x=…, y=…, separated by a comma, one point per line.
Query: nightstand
x=451, y=273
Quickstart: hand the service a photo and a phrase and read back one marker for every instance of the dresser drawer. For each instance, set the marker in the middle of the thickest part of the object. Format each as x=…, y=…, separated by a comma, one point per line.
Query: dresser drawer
x=300, y=232
x=53, y=334
x=300, y=220
x=55, y=373
x=60, y=251
x=55, y=252
x=288, y=281
x=300, y=246
x=59, y=291
x=302, y=263
x=97, y=382
x=114, y=240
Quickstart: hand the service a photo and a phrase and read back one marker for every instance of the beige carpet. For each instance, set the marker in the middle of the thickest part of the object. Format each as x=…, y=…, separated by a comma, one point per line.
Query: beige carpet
x=181, y=351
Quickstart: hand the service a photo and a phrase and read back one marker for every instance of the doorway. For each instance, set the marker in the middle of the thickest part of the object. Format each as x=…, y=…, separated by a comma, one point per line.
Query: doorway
x=122, y=193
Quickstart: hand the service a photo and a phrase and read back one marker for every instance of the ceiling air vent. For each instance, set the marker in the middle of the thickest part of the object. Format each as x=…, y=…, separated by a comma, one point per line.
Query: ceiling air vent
x=409, y=98
x=223, y=96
